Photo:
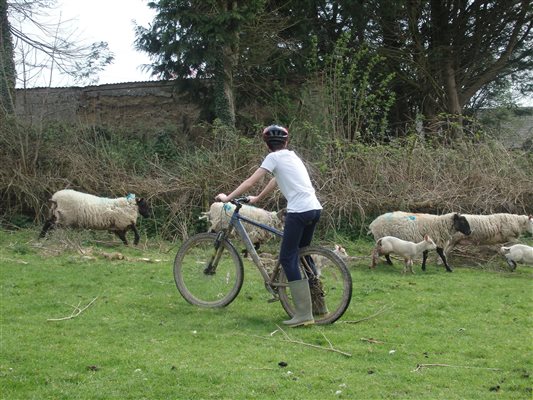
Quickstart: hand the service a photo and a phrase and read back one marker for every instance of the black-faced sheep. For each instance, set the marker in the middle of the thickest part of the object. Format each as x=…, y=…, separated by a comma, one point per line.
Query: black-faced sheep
x=413, y=228
x=219, y=215
x=69, y=208
x=492, y=229
x=517, y=253
x=408, y=250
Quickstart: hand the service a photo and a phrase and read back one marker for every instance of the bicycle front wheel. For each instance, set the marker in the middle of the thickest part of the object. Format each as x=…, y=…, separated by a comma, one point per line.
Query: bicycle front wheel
x=208, y=271
x=330, y=283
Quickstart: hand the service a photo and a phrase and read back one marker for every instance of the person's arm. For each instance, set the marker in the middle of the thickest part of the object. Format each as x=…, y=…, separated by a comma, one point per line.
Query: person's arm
x=271, y=185
x=244, y=186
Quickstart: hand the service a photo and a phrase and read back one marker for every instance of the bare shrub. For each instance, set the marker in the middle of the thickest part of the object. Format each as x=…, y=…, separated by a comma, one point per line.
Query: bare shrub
x=355, y=182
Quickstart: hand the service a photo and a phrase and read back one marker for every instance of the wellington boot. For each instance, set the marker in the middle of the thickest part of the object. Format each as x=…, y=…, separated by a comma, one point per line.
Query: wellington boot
x=301, y=297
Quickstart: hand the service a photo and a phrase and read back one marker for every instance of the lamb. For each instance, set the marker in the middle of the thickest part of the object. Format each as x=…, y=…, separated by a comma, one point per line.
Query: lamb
x=413, y=227
x=518, y=253
x=492, y=229
x=321, y=261
x=219, y=215
x=408, y=250
x=70, y=208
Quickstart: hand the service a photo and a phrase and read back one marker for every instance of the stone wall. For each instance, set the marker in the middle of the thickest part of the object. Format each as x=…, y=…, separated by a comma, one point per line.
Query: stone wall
x=136, y=106
x=145, y=107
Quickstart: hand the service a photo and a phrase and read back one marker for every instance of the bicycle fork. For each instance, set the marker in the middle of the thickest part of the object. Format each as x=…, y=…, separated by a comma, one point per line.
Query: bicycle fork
x=217, y=253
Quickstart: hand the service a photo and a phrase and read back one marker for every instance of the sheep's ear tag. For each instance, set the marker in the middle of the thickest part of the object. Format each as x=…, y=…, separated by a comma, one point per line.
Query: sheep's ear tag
x=130, y=196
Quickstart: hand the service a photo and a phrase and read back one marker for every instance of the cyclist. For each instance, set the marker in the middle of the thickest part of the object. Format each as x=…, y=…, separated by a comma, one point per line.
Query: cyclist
x=303, y=212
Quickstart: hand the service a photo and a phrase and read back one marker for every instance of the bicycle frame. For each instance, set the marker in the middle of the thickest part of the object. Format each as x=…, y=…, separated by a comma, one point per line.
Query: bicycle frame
x=236, y=223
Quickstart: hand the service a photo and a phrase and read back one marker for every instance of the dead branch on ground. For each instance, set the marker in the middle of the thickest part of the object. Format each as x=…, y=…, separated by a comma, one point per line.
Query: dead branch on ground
x=77, y=311
x=366, y=318
x=419, y=367
x=297, y=341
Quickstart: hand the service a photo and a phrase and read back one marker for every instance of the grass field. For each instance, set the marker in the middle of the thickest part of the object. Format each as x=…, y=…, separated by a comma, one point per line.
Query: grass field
x=121, y=330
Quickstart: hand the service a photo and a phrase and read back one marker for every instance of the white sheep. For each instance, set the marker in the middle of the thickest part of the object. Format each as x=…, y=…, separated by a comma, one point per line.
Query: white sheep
x=518, y=253
x=70, y=208
x=219, y=215
x=492, y=229
x=413, y=227
x=321, y=261
x=408, y=250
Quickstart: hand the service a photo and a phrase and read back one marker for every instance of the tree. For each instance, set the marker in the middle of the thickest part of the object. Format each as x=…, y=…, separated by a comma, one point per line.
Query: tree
x=445, y=52
x=200, y=39
x=41, y=46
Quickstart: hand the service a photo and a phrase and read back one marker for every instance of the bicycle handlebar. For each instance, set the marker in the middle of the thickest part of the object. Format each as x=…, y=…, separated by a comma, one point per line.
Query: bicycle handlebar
x=240, y=200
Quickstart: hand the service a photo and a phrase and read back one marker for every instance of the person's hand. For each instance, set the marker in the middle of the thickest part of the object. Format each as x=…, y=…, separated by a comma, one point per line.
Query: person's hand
x=253, y=199
x=222, y=197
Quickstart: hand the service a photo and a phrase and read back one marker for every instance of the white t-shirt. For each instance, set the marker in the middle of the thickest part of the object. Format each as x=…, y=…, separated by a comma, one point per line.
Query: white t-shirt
x=293, y=180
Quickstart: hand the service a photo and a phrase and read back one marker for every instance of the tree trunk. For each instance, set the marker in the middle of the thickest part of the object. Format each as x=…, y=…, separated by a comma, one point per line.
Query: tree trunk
x=226, y=65
x=453, y=105
x=7, y=63
x=224, y=93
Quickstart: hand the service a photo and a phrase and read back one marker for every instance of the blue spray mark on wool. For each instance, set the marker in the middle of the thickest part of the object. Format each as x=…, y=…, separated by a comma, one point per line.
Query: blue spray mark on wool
x=130, y=196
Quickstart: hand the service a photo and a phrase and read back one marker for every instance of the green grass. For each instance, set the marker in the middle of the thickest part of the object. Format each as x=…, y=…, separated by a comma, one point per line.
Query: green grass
x=140, y=340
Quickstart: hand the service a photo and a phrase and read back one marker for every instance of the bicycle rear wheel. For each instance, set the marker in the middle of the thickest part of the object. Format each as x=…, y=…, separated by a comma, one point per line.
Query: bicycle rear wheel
x=331, y=286
x=200, y=278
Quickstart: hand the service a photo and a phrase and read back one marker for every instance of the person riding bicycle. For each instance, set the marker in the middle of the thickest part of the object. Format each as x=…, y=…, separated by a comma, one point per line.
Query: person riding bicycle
x=303, y=212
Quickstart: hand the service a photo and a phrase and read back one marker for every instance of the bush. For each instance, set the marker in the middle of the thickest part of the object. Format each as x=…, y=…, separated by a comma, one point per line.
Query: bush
x=355, y=182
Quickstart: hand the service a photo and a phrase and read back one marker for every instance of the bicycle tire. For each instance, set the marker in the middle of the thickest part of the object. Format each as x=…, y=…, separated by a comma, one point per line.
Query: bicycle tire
x=335, y=280
x=213, y=289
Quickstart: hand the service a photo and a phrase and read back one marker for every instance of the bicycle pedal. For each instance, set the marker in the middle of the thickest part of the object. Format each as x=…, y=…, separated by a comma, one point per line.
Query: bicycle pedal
x=273, y=300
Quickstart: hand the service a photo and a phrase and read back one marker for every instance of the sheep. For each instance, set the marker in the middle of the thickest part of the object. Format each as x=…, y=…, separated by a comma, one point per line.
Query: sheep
x=408, y=250
x=492, y=229
x=518, y=253
x=413, y=227
x=321, y=261
x=70, y=208
x=219, y=215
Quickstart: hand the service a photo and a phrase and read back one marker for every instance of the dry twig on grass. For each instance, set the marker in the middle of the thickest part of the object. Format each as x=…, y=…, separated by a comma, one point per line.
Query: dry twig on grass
x=330, y=348
x=419, y=367
x=11, y=260
x=366, y=318
x=371, y=340
x=77, y=311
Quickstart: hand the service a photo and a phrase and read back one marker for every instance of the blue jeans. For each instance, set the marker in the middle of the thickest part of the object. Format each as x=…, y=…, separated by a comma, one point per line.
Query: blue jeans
x=298, y=232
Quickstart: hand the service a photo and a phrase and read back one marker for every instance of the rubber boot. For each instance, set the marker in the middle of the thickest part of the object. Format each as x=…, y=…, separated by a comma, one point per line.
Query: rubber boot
x=301, y=297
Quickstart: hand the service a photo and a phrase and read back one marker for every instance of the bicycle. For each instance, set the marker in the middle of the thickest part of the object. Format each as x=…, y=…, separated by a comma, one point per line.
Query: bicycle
x=209, y=272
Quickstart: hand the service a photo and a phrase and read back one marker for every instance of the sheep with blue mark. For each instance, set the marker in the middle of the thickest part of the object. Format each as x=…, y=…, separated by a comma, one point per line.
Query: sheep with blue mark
x=219, y=215
x=73, y=209
x=413, y=227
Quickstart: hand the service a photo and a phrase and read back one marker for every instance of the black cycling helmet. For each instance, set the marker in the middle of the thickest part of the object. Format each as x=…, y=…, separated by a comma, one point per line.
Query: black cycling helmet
x=275, y=134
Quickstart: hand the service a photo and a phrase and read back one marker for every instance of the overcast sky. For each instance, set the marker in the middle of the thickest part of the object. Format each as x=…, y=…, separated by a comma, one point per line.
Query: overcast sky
x=109, y=21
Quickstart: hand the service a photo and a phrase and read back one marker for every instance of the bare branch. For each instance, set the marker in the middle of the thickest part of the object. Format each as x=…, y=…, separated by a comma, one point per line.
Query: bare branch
x=77, y=311
x=366, y=318
x=330, y=348
x=419, y=367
